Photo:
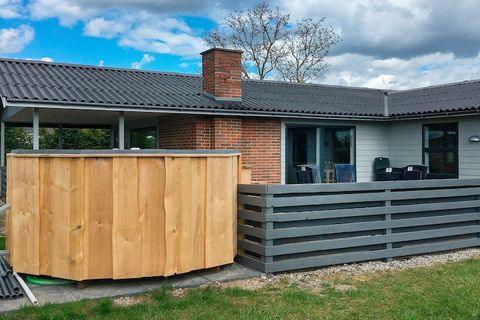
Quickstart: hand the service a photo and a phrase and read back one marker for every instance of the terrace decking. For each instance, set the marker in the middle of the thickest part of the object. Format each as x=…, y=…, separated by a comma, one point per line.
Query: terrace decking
x=125, y=214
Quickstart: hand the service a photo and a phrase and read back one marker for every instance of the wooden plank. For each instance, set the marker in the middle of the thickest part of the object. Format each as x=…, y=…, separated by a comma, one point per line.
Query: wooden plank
x=235, y=177
x=352, y=242
x=253, y=200
x=244, y=214
x=369, y=197
x=198, y=210
x=327, y=260
x=359, y=226
x=362, y=186
x=252, y=188
x=24, y=215
x=362, y=211
x=46, y=216
x=126, y=229
x=218, y=245
x=67, y=220
x=180, y=206
x=169, y=201
x=98, y=218
x=151, y=184
x=8, y=244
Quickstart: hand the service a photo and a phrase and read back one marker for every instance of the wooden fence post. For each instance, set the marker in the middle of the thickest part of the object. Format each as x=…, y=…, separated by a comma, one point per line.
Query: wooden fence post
x=388, y=220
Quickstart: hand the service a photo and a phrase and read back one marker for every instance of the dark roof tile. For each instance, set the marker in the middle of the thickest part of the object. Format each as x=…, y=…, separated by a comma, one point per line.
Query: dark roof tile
x=97, y=85
x=54, y=82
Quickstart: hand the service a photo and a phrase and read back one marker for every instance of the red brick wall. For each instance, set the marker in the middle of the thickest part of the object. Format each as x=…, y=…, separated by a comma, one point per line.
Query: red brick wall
x=258, y=139
x=261, y=148
x=226, y=133
x=177, y=132
x=222, y=72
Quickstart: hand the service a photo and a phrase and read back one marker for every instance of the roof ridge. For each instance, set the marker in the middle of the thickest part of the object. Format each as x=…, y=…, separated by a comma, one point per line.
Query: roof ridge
x=89, y=66
x=279, y=82
x=443, y=85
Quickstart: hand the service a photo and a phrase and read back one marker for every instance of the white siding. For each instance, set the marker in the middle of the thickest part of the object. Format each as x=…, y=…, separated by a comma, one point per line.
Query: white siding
x=372, y=142
x=469, y=152
x=405, y=141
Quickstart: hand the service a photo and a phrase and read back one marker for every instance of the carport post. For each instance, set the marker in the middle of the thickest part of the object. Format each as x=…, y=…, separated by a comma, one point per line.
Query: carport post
x=121, y=131
x=36, y=129
x=112, y=137
x=60, y=136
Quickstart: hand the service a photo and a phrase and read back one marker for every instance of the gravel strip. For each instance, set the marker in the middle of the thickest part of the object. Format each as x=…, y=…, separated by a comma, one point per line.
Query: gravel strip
x=316, y=280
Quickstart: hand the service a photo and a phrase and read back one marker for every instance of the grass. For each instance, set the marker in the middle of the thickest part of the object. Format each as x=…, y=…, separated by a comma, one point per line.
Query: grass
x=449, y=291
x=2, y=243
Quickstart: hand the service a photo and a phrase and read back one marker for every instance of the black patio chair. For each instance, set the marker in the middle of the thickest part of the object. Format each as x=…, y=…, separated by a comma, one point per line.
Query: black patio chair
x=379, y=166
x=308, y=173
x=389, y=174
x=303, y=176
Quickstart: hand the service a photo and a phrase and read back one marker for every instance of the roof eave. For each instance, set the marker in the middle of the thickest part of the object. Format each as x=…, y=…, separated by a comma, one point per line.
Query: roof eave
x=185, y=110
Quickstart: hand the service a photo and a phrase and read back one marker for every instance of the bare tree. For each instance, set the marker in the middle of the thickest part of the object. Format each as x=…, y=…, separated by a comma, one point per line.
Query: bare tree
x=258, y=32
x=272, y=46
x=304, y=51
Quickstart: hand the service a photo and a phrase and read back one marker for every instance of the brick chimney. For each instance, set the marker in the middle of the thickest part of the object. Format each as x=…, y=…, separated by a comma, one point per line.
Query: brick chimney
x=222, y=72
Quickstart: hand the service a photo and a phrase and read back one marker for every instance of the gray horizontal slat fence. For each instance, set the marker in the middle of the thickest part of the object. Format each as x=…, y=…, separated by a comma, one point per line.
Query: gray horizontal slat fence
x=290, y=227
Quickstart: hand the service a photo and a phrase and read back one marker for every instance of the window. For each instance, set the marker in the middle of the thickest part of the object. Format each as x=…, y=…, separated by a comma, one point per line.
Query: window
x=440, y=149
x=144, y=138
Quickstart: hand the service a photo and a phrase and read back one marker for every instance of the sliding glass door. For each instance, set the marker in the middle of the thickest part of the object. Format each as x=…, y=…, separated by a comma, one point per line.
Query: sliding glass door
x=301, y=149
x=322, y=146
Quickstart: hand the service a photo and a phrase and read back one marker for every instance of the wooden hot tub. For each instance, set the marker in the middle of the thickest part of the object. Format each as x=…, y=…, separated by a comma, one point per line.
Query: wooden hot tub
x=121, y=214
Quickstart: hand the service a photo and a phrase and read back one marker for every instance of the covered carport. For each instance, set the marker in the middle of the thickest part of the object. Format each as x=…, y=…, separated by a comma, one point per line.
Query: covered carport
x=120, y=122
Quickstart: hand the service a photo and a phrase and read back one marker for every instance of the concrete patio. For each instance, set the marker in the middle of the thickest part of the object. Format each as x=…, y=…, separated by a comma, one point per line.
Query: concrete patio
x=111, y=288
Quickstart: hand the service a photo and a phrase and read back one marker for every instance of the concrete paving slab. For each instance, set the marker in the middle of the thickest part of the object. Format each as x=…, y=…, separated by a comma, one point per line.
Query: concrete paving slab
x=229, y=273
x=115, y=288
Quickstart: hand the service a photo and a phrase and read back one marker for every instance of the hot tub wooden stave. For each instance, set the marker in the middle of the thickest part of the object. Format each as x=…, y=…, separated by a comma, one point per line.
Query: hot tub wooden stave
x=82, y=217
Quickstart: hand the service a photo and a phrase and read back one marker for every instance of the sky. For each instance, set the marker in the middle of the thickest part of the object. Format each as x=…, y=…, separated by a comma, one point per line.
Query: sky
x=385, y=43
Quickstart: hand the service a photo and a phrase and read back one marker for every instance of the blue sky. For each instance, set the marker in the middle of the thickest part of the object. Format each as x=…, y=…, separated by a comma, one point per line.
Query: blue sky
x=386, y=43
x=70, y=44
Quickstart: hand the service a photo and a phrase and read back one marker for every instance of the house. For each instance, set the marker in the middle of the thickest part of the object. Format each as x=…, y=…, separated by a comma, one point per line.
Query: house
x=275, y=125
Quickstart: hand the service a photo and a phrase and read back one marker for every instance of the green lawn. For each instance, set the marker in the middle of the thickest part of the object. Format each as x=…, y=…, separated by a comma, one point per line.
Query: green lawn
x=449, y=291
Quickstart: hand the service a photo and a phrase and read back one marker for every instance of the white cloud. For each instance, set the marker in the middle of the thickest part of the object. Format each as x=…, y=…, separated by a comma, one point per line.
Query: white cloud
x=13, y=40
x=71, y=11
x=103, y=28
x=46, y=59
x=167, y=36
x=101, y=63
x=10, y=9
x=394, y=73
x=147, y=58
x=397, y=27
x=68, y=12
